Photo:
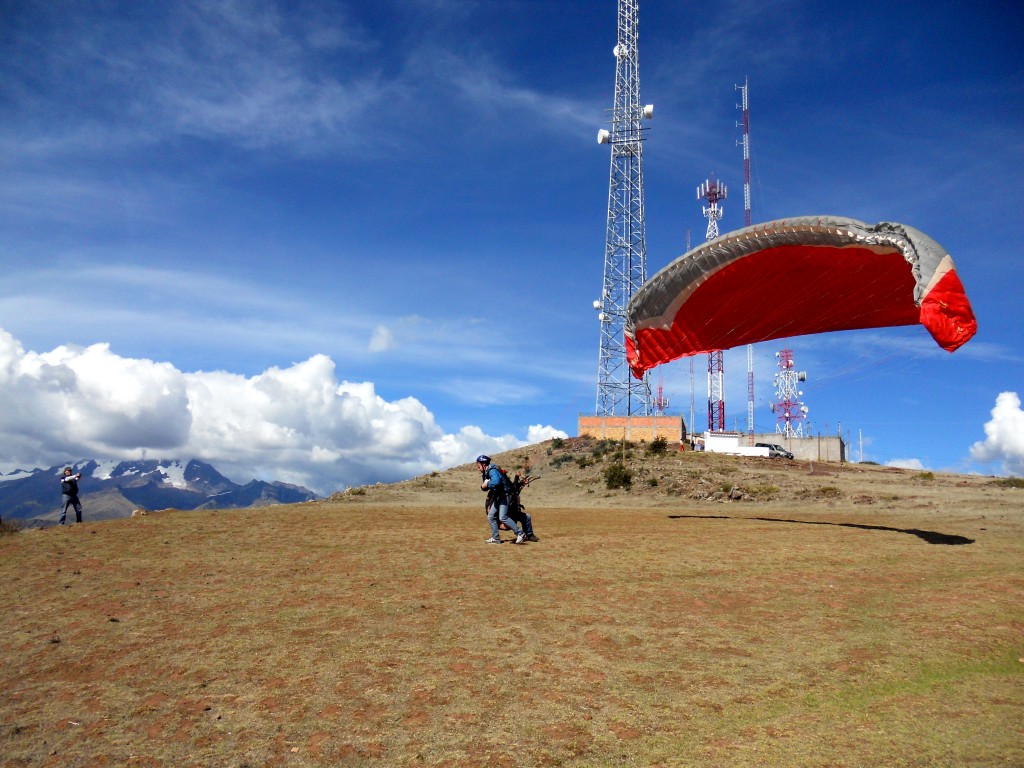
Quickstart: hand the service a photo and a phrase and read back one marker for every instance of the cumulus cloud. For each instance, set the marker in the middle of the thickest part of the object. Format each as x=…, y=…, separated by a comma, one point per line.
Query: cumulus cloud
x=297, y=424
x=906, y=464
x=1004, y=436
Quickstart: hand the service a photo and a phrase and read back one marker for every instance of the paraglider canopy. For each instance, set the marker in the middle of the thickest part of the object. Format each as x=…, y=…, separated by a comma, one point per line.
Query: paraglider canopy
x=793, y=277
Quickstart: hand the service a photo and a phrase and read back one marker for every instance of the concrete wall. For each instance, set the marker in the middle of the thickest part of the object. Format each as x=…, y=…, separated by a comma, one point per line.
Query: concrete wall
x=673, y=429
x=815, y=448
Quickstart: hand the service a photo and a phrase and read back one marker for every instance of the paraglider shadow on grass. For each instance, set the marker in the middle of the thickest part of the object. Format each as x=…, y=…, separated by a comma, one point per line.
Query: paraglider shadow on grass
x=932, y=537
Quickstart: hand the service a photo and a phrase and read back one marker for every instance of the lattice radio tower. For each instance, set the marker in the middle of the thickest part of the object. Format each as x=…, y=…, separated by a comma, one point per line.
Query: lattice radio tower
x=625, y=254
x=789, y=410
x=746, y=222
x=714, y=191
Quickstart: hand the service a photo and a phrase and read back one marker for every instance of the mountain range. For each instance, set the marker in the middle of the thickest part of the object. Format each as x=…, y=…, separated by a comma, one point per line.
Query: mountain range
x=115, y=489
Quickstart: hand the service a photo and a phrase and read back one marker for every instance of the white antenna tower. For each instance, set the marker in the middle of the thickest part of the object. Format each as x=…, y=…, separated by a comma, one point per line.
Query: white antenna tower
x=625, y=255
x=789, y=410
x=714, y=191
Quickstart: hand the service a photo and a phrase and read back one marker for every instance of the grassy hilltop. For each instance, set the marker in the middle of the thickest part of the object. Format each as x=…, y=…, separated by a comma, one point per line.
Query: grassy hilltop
x=717, y=611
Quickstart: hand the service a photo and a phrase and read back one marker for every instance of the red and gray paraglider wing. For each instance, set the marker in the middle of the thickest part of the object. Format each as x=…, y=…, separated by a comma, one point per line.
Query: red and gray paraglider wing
x=793, y=277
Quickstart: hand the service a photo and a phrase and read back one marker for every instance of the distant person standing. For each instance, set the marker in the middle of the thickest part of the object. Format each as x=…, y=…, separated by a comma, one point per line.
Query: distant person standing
x=69, y=491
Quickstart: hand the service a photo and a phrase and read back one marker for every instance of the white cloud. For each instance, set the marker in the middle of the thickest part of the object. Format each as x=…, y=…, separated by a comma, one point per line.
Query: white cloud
x=906, y=464
x=1004, y=436
x=382, y=340
x=471, y=441
x=297, y=424
x=538, y=433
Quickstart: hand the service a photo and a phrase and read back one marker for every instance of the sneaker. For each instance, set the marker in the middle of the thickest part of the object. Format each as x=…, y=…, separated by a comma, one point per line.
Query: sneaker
x=531, y=537
x=521, y=538
x=493, y=540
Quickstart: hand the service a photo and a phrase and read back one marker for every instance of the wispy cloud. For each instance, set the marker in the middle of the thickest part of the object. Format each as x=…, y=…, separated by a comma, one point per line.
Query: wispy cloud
x=245, y=74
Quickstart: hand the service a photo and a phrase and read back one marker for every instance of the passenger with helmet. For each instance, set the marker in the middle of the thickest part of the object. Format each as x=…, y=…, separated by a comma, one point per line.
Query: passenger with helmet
x=497, y=500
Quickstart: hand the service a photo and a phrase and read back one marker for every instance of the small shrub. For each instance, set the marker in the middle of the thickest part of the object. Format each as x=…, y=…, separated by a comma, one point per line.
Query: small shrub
x=823, y=492
x=583, y=462
x=9, y=526
x=658, y=446
x=558, y=461
x=925, y=476
x=653, y=482
x=1009, y=482
x=557, y=443
x=617, y=476
x=357, y=491
x=760, y=490
x=610, y=446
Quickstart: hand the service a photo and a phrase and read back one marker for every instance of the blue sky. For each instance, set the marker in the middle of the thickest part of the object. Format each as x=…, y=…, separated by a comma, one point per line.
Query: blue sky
x=341, y=242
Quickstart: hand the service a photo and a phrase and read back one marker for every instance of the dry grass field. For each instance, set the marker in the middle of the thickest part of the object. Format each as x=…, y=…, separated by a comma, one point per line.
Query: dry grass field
x=719, y=612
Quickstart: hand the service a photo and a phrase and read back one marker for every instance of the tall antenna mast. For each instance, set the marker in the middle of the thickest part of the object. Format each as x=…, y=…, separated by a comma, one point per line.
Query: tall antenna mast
x=689, y=424
x=746, y=222
x=714, y=191
x=745, y=143
x=625, y=255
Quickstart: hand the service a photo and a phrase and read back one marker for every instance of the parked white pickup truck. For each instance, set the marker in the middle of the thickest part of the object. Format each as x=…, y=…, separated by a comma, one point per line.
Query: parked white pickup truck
x=775, y=451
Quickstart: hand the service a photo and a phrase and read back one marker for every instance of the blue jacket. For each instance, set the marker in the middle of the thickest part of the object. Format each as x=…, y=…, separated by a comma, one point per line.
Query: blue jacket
x=495, y=481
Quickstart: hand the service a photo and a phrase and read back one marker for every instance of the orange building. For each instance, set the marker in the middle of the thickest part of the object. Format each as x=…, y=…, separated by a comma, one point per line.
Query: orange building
x=633, y=428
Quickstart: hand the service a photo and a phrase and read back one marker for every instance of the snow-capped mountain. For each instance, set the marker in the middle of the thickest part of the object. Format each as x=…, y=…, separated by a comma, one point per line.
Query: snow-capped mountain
x=113, y=489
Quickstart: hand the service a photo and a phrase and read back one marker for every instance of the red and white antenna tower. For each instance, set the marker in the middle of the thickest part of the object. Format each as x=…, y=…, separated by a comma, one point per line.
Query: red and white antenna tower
x=746, y=222
x=789, y=410
x=659, y=401
x=714, y=191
